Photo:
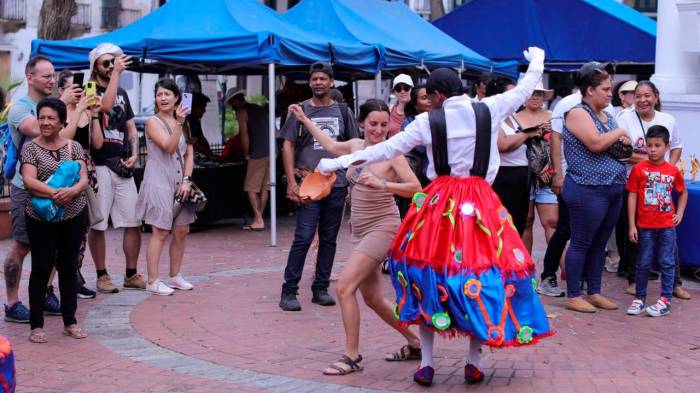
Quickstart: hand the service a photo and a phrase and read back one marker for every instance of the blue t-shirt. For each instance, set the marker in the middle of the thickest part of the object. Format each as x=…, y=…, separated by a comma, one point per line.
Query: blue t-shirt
x=589, y=168
x=24, y=108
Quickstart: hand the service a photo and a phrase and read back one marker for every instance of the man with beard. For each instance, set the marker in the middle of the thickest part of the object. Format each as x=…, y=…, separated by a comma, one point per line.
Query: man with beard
x=114, y=161
x=24, y=127
x=301, y=153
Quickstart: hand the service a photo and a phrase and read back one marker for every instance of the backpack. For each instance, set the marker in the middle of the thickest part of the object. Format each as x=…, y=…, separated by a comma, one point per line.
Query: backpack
x=9, y=153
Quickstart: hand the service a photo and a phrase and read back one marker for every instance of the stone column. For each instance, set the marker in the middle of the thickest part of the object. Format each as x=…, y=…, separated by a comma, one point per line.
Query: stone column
x=677, y=71
x=678, y=68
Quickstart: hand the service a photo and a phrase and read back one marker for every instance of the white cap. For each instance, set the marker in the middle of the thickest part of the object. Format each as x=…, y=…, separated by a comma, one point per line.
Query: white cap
x=232, y=92
x=548, y=93
x=402, y=78
x=103, y=49
x=628, y=86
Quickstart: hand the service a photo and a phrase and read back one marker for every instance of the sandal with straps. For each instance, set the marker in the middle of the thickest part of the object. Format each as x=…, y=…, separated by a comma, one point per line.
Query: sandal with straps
x=344, y=366
x=38, y=337
x=74, y=332
x=406, y=352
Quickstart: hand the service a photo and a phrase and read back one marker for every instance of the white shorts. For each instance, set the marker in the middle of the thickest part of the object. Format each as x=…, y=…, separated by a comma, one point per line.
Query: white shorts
x=117, y=197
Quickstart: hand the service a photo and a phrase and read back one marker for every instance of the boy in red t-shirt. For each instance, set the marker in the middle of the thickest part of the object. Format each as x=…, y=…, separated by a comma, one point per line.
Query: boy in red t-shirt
x=653, y=221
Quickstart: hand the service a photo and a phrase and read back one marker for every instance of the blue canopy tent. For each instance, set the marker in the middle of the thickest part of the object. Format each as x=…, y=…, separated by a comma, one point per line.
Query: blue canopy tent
x=570, y=31
x=217, y=37
x=407, y=40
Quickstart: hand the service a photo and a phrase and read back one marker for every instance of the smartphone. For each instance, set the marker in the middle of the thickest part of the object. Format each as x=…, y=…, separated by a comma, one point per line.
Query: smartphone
x=91, y=89
x=78, y=79
x=186, y=102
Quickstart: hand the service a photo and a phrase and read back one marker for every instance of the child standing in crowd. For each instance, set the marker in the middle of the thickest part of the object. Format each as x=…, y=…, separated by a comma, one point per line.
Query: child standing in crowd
x=651, y=209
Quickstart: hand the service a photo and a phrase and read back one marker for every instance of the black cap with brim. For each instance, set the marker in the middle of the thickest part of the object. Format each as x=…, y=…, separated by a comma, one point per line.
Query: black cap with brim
x=445, y=81
x=320, y=66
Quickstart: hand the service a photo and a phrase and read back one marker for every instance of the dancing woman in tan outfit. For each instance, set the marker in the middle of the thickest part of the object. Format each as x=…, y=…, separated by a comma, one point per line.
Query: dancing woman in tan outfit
x=375, y=220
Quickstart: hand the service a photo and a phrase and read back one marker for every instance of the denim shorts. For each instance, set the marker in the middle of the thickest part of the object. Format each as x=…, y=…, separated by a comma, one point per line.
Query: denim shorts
x=543, y=195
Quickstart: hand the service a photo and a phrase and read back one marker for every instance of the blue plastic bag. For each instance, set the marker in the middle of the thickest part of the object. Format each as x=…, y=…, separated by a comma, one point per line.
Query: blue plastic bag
x=67, y=174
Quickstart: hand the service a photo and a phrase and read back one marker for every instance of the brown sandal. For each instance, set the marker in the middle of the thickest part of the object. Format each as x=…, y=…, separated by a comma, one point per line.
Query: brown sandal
x=38, y=336
x=406, y=352
x=344, y=366
x=74, y=332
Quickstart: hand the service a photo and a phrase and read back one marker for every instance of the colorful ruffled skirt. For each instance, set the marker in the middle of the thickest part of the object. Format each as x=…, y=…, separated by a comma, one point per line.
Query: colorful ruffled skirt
x=458, y=266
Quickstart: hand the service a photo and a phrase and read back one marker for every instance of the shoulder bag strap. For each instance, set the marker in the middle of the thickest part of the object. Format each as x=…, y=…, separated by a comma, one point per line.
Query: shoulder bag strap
x=644, y=132
x=482, y=147
x=438, y=132
x=167, y=129
x=346, y=116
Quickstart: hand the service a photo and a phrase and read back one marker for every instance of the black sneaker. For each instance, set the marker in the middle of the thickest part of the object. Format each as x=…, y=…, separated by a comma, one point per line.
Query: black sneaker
x=86, y=293
x=51, y=304
x=289, y=302
x=323, y=298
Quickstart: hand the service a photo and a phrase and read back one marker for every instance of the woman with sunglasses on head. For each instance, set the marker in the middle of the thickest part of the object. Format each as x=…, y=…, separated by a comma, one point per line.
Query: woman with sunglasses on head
x=541, y=196
x=82, y=114
x=593, y=187
x=402, y=86
x=375, y=220
x=54, y=241
x=645, y=113
x=167, y=177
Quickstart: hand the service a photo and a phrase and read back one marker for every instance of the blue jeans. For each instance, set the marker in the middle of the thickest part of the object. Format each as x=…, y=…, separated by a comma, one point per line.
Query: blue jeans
x=593, y=211
x=662, y=244
x=325, y=214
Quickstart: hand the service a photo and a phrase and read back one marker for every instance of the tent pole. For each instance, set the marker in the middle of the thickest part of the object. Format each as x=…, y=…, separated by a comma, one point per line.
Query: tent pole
x=273, y=152
x=378, y=85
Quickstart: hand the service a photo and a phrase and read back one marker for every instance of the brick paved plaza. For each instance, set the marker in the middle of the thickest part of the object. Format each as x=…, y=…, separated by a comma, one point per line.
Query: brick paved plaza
x=228, y=335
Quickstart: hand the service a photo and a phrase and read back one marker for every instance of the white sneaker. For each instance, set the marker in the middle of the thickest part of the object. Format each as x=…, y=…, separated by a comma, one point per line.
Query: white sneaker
x=158, y=288
x=178, y=282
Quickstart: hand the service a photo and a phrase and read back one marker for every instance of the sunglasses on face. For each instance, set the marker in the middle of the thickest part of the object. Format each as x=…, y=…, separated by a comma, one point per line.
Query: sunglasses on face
x=400, y=88
x=107, y=63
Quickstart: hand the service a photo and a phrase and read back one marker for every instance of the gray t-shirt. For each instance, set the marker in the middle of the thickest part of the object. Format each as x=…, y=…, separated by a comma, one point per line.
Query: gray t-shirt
x=331, y=120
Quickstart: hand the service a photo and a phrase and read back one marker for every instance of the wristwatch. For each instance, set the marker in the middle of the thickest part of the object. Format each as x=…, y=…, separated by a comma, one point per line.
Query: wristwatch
x=187, y=178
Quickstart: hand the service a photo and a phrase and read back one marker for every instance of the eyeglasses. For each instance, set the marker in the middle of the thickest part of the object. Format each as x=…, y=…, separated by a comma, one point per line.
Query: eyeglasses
x=107, y=63
x=401, y=87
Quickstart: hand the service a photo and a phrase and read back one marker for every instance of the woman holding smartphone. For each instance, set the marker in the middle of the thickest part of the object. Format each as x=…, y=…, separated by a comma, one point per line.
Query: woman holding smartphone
x=167, y=176
x=82, y=113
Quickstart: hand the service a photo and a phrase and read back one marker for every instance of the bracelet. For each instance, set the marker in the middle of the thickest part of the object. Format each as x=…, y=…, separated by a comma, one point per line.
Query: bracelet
x=95, y=118
x=383, y=181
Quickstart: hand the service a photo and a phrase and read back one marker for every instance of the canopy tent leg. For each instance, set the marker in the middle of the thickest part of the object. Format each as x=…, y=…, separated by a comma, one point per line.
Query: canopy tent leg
x=273, y=154
x=378, y=85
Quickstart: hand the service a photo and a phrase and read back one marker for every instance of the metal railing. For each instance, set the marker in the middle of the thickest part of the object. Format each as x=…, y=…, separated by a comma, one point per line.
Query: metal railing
x=83, y=17
x=13, y=10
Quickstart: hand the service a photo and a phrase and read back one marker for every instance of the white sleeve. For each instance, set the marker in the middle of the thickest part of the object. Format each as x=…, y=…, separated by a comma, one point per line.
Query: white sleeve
x=398, y=144
x=622, y=123
x=676, y=142
x=505, y=104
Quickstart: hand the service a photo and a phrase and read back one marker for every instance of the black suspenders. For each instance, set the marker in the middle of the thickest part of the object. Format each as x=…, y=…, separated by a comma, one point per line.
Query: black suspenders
x=482, y=148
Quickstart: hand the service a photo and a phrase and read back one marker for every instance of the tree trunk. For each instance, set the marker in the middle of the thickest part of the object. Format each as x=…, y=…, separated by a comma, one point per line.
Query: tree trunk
x=54, y=19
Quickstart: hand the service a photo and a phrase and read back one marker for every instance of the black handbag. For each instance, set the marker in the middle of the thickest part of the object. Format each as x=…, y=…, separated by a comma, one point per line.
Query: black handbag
x=620, y=151
x=117, y=166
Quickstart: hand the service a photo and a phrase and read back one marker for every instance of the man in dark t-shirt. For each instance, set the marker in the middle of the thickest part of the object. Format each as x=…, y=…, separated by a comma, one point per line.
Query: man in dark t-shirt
x=301, y=154
x=114, y=156
x=253, y=124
